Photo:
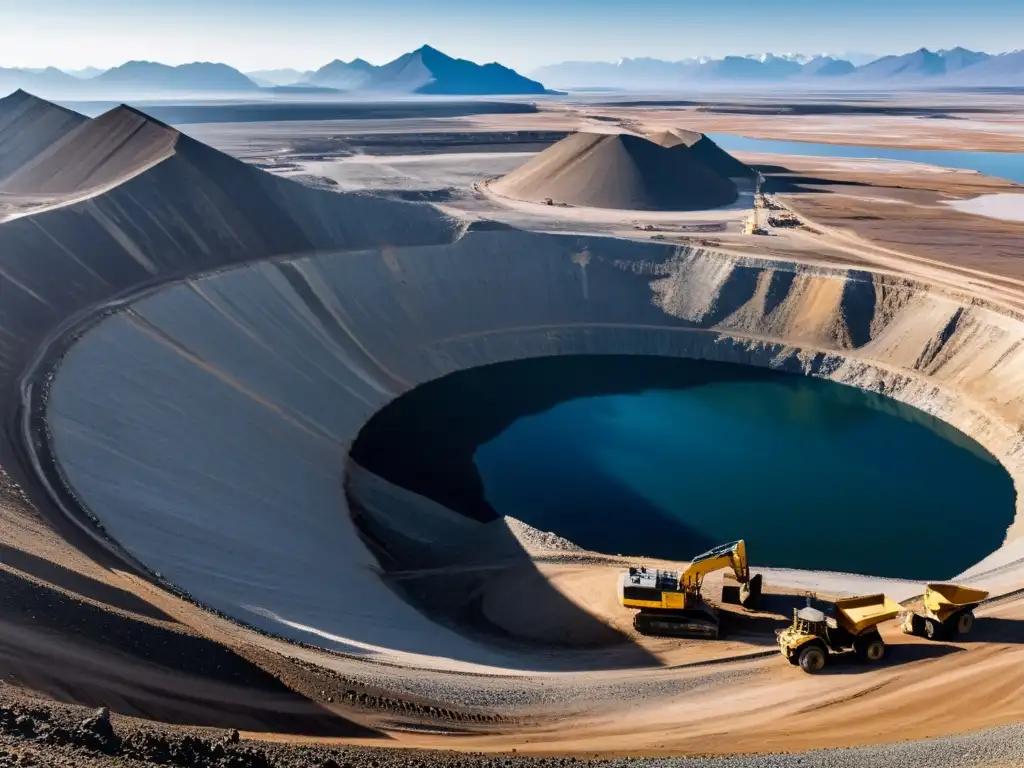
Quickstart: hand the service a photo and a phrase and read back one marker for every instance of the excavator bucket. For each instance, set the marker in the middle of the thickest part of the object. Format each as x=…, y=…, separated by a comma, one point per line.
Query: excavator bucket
x=750, y=593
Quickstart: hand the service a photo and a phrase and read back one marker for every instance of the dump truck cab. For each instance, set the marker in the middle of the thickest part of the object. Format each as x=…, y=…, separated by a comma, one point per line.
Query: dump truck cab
x=813, y=636
x=810, y=622
x=806, y=641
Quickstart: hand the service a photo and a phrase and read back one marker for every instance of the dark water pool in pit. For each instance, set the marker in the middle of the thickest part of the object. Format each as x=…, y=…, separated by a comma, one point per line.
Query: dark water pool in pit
x=811, y=473
x=659, y=457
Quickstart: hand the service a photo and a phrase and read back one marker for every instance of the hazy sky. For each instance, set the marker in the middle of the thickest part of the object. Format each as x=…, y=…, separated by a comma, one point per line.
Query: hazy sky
x=262, y=34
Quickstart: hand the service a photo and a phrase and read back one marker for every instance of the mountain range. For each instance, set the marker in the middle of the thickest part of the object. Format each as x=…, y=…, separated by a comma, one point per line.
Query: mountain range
x=268, y=78
x=429, y=71
x=423, y=71
x=955, y=66
x=143, y=76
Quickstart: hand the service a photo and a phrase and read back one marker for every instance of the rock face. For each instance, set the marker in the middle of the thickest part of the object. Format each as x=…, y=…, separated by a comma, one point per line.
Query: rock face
x=618, y=171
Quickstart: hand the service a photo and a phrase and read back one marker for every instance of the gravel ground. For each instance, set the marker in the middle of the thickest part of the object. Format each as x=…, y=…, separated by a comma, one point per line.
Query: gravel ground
x=34, y=733
x=995, y=748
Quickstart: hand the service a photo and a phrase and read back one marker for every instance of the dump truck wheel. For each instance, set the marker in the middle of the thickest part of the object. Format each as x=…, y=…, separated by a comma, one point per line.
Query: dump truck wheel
x=933, y=629
x=913, y=624
x=964, y=623
x=873, y=651
x=812, y=658
x=869, y=647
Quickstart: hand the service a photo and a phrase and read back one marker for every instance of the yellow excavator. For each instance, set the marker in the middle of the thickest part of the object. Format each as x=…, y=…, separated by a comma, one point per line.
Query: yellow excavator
x=670, y=602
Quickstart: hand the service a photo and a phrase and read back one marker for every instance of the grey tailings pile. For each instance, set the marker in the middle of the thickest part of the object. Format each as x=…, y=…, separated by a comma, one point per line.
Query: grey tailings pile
x=619, y=171
x=96, y=153
x=709, y=153
x=28, y=126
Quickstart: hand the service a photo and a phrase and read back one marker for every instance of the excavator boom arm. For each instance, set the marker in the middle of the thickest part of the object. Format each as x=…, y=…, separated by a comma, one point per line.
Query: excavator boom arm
x=732, y=555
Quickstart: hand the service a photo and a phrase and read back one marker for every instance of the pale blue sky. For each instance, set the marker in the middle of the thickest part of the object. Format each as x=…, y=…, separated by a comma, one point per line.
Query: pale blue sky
x=262, y=34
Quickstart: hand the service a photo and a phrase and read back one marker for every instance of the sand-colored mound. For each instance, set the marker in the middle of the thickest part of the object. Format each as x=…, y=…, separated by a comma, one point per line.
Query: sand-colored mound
x=709, y=153
x=28, y=126
x=98, y=153
x=617, y=171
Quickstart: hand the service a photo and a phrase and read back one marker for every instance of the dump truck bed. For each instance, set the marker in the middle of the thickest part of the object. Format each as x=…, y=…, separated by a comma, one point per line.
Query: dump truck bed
x=945, y=599
x=857, y=614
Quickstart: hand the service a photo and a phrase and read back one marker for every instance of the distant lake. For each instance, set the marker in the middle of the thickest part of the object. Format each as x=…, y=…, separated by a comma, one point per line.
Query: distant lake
x=1006, y=165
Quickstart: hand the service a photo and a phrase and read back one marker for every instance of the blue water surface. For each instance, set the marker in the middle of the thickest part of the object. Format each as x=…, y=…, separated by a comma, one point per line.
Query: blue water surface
x=811, y=473
x=1006, y=165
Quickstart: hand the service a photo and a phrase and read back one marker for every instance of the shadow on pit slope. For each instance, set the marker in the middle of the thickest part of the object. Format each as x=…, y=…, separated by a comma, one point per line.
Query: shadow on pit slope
x=419, y=501
x=478, y=578
x=80, y=654
x=79, y=584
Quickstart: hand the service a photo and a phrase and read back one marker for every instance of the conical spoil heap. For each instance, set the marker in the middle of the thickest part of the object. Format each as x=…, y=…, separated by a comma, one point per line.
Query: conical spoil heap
x=618, y=171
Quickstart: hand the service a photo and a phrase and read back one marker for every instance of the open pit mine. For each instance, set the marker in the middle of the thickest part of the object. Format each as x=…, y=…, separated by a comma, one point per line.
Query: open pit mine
x=190, y=348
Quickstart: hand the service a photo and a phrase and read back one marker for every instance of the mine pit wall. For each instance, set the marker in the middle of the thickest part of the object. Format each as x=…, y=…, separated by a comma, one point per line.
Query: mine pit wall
x=208, y=426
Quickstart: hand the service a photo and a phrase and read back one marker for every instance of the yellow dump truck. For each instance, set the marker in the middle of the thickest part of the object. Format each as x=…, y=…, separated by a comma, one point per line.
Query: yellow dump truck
x=813, y=636
x=948, y=611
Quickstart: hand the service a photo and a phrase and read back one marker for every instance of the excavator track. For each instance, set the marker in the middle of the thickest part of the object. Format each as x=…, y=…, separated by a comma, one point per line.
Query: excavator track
x=692, y=624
